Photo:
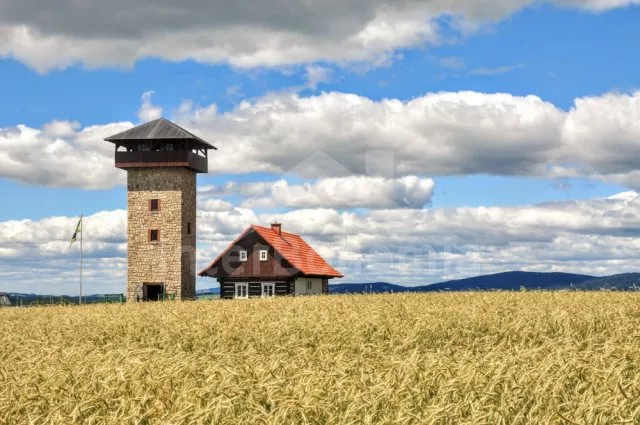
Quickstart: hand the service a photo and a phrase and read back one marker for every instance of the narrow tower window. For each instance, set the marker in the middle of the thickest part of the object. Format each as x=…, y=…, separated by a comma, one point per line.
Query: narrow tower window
x=154, y=205
x=188, y=228
x=154, y=235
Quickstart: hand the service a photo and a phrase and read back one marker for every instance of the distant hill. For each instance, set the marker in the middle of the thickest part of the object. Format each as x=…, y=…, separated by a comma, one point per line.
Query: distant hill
x=625, y=281
x=209, y=291
x=361, y=288
x=501, y=281
x=511, y=281
x=17, y=298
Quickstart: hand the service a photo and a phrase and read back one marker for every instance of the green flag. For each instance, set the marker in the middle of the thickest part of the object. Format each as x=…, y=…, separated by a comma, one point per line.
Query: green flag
x=78, y=230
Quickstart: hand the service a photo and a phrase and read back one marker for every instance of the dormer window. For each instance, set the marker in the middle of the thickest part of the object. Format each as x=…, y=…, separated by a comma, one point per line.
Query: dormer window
x=263, y=255
x=243, y=255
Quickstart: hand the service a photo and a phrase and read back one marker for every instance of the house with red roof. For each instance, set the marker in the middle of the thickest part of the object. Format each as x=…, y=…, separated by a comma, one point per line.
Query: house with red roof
x=267, y=262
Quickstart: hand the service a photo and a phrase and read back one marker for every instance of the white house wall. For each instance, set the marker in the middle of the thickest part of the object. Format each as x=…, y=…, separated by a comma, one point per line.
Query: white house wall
x=301, y=286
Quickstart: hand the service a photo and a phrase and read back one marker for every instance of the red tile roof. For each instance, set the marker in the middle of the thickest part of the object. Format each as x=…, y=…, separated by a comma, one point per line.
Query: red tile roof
x=292, y=248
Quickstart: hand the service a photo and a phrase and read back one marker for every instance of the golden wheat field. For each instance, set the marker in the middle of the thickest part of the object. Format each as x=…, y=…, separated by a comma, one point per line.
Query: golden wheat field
x=442, y=358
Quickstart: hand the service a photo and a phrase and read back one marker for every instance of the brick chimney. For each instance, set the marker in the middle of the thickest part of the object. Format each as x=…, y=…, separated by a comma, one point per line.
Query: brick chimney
x=276, y=227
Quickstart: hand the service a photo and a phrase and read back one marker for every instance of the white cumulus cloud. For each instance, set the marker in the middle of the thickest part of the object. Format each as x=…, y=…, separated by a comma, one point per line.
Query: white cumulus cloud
x=334, y=135
x=409, y=246
x=148, y=111
x=245, y=34
x=340, y=192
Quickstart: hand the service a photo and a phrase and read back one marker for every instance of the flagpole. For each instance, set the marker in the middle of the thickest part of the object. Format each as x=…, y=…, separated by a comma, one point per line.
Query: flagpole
x=81, y=232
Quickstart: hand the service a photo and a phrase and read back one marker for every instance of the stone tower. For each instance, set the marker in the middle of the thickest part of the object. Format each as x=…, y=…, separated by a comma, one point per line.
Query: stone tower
x=161, y=160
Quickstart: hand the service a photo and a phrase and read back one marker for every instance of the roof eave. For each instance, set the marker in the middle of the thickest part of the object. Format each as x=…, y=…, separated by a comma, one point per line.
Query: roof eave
x=203, y=272
x=300, y=272
x=114, y=139
x=258, y=229
x=323, y=275
x=160, y=125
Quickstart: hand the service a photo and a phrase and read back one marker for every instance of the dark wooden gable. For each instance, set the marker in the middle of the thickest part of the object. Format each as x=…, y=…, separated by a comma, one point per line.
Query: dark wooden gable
x=230, y=266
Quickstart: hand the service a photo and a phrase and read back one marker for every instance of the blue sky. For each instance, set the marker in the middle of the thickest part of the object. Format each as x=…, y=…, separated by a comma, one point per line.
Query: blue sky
x=581, y=63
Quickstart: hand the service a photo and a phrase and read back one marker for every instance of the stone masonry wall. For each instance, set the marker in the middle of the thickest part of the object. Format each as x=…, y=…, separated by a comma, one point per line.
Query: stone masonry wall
x=169, y=261
x=189, y=239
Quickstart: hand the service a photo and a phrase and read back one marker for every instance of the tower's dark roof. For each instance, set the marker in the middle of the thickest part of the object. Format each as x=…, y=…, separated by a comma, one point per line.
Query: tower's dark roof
x=160, y=129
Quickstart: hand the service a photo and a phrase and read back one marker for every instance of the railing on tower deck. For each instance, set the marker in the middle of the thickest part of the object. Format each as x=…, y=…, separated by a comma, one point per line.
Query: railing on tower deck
x=162, y=159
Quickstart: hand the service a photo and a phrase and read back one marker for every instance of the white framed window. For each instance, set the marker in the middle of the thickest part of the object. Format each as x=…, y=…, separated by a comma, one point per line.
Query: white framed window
x=263, y=255
x=243, y=255
x=242, y=290
x=268, y=289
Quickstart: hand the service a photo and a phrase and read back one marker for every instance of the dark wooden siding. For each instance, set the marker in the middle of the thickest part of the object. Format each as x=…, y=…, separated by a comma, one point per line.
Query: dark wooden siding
x=227, y=290
x=230, y=265
x=325, y=286
x=255, y=290
x=162, y=159
x=282, y=288
x=227, y=287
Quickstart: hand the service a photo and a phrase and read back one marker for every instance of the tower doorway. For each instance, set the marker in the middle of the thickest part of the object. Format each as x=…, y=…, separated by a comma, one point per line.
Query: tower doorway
x=153, y=292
